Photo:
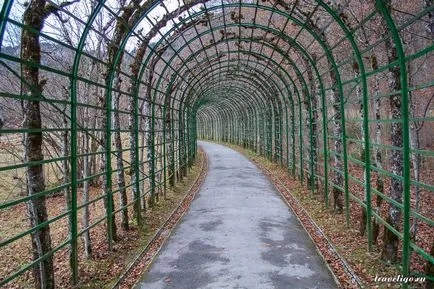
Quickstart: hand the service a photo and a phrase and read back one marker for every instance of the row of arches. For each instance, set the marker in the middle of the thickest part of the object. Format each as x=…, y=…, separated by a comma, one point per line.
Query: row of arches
x=115, y=94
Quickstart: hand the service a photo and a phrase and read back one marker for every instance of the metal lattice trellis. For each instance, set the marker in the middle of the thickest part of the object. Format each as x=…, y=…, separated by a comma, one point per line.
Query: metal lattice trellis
x=309, y=84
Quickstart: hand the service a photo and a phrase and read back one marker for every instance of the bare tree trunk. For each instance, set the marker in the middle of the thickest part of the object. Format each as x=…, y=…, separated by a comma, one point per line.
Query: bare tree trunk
x=120, y=175
x=103, y=163
x=148, y=137
x=94, y=146
x=66, y=169
x=337, y=133
x=34, y=17
x=390, y=240
x=362, y=148
x=416, y=160
x=135, y=69
x=314, y=106
x=182, y=150
x=85, y=191
x=169, y=152
x=142, y=167
x=335, y=98
x=146, y=112
x=312, y=103
x=133, y=148
x=89, y=145
x=112, y=52
x=414, y=145
x=378, y=154
x=158, y=153
x=130, y=13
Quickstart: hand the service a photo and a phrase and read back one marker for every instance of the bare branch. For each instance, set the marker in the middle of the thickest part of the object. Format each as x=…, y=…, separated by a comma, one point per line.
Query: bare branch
x=52, y=8
x=421, y=123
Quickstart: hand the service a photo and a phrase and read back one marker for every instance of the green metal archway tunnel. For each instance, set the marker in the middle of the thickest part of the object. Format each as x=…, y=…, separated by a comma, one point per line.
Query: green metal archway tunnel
x=115, y=94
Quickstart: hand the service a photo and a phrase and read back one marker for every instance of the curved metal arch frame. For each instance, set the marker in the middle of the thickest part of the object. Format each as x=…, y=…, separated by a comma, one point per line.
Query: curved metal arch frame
x=193, y=107
x=358, y=55
x=304, y=89
x=344, y=148
x=340, y=87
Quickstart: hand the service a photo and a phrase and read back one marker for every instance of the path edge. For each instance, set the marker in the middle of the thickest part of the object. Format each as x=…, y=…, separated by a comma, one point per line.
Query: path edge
x=355, y=280
x=159, y=239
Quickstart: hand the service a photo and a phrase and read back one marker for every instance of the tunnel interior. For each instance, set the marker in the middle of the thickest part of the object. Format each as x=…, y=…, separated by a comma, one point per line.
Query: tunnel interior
x=115, y=94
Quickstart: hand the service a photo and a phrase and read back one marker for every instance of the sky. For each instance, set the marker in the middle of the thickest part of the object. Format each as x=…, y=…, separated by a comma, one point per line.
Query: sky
x=82, y=11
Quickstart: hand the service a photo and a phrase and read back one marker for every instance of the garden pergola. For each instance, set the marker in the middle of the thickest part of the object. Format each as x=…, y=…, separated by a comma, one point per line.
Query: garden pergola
x=301, y=82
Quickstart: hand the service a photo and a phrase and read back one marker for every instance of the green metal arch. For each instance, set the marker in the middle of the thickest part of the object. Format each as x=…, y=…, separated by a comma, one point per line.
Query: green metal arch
x=204, y=101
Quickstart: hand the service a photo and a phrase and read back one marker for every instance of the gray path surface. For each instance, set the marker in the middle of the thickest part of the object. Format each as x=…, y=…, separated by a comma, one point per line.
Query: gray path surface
x=237, y=234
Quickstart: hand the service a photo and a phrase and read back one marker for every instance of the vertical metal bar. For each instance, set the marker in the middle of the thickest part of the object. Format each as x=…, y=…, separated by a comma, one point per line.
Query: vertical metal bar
x=300, y=128
x=293, y=139
x=325, y=146
x=136, y=164
x=73, y=88
x=270, y=134
x=266, y=128
x=280, y=137
x=256, y=130
x=109, y=194
x=344, y=145
x=164, y=150
x=173, y=164
x=73, y=149
x=311, y=164
x=406, y=139
x=287, y=139
x=187, y=136
x=184, y=141
x=152, y=134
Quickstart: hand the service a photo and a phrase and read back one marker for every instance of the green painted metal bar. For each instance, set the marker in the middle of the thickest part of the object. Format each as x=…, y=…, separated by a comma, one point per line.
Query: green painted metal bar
x=73, y=149
x=252, y=114
x=406, y=138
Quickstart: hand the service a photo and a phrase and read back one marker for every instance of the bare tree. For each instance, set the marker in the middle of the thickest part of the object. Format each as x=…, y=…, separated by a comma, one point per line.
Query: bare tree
x=120, y=175
x=390, y=240
x=134, y=158
x=311, y=107
x=32, y=86
x=378, y=155
x=149, y=134
x=169, y=145
x=112, y=50
x=418, y=107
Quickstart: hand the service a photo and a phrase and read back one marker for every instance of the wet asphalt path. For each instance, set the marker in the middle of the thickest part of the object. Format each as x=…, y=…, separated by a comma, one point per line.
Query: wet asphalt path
x=238, y=234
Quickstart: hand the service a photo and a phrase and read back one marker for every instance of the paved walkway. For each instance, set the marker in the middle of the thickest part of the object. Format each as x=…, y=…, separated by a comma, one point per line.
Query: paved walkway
x=238, y=233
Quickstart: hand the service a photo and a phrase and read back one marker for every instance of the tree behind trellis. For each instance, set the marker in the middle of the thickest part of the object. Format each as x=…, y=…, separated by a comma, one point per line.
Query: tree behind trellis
x=390, y=240
x=32, y=86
